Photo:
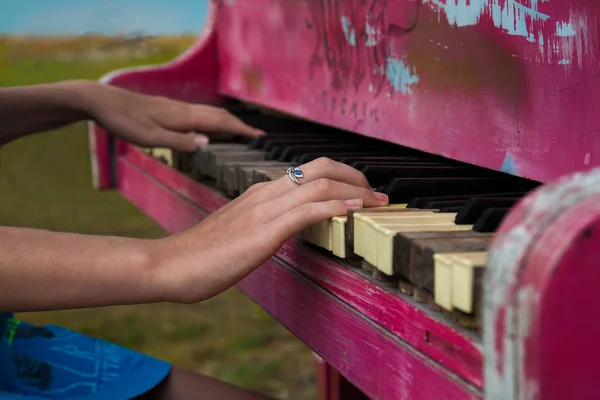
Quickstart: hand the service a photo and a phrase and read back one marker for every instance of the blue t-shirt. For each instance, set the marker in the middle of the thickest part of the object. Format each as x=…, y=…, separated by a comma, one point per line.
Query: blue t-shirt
x=50, y=362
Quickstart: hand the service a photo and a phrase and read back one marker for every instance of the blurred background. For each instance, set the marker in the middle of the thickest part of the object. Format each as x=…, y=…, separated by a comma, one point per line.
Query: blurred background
x=45, y=183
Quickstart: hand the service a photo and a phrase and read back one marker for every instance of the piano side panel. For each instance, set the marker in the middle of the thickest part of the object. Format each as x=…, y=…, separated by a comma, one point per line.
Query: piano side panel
x=538, y=295
x=373, y=359
x=450, y=347
x=510, y=85
x=558, y=310
x=191, y=77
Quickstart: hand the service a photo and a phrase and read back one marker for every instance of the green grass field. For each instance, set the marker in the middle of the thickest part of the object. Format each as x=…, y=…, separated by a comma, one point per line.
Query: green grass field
x=45, y=183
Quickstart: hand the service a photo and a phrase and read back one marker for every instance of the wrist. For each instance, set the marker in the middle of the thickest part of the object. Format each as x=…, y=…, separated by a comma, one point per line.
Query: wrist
x=179, y=275
x=79, y=96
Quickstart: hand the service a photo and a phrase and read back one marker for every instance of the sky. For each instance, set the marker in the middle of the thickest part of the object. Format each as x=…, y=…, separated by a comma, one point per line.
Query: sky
x=55, y=17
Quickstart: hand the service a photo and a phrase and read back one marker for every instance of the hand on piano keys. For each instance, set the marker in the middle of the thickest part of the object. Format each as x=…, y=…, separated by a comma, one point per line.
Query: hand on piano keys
x=158, y=122
x=252, y=227
x=429, y=242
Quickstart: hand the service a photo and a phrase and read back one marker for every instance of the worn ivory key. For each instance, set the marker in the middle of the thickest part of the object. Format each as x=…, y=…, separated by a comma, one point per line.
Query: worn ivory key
x=455, y=275
x=371, y=228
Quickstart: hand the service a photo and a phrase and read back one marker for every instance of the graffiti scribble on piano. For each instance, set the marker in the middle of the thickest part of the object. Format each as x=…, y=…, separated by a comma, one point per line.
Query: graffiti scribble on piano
x=352, y=41
x=359, y=111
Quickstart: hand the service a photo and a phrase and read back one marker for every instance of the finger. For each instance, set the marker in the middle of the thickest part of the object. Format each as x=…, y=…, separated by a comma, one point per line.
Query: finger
x=321, y=168
x=184, y=142
x=305, y=215
x=212, y=119
x=319, y=191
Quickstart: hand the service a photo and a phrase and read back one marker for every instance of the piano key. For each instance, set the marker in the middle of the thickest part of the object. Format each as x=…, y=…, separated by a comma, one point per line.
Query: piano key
x=369, y=230
x=289, y=152
x=384, y=237
x=418, y=201
x=473, y=208
x=165, y=155
x=421, y=261
x=403, y=246
x=349, y=232
x=332, y=154
x=443, y=281
x=490, y=219
x=467, y=272
x=402, y=190
x=339, y=248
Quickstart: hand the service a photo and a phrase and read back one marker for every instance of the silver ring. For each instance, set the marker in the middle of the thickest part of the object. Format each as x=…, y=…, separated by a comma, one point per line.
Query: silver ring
x=294, y=173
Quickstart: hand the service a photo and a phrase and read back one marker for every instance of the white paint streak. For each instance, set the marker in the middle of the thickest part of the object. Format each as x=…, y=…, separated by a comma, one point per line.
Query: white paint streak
x=558, y=42
x=349, y=31
x=564, y=29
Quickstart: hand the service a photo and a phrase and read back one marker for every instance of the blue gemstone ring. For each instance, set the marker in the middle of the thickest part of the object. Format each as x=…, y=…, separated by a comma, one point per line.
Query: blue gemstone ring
x=294, y=173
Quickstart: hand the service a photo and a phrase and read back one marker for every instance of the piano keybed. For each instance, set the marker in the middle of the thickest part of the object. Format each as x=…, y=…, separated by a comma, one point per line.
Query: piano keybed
x=430, y=243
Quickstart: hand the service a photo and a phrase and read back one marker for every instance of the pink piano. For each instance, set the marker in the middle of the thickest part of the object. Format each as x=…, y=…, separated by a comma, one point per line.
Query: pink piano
x=506, y=91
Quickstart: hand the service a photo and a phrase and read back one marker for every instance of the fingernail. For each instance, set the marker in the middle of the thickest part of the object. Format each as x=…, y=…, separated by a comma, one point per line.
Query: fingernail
x=354, y=203
x=381, y=196
x=200, y=140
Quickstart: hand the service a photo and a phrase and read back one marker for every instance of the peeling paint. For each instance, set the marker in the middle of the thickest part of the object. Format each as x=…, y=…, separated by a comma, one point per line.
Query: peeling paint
x=400, y=76
x=509, y=165
x=349, y=31
x=511, y=16
x=558, y=41
x=373, y=35
x=564, y=29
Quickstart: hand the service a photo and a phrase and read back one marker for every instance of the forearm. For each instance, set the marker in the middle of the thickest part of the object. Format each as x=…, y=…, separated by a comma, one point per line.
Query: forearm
x=29, y=109
x=42, y=270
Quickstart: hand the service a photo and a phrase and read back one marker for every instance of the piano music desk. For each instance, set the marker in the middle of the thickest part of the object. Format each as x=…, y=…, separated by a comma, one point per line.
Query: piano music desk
x=540, y=324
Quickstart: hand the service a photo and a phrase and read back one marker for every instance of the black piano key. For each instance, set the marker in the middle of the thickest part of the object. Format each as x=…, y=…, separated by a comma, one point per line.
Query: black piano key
x=474, y=207
x=379, y=174
x=449, y=210
x=375, y=159
x=307, y=157
x=437, y=205
x=361, y=165
x=287, y=153
x=490, y=219
x=260, y=141
x=417, y=202
x=401, y=190
x=270, y=144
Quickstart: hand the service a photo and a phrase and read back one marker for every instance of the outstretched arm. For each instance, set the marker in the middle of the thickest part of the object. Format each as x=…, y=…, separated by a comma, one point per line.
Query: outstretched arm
x=140, y=119
x=29, y=109
x=41, y=270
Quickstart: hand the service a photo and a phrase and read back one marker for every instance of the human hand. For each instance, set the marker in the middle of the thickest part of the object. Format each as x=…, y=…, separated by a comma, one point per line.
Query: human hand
x=152, y=121
x=214, y=255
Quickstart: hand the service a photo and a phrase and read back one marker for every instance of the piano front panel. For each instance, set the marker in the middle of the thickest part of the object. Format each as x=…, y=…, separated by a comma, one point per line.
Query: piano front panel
x=504, y=84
